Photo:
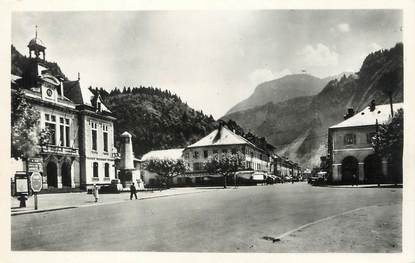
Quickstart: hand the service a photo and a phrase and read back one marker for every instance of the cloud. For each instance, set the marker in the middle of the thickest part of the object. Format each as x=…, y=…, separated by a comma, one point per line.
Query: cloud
x=262, y=75
x=343, y=27
x=320, y=56
x=374, y=47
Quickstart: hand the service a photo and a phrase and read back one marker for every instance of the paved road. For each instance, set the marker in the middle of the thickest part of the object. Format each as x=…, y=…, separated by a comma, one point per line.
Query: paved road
x=232, y=220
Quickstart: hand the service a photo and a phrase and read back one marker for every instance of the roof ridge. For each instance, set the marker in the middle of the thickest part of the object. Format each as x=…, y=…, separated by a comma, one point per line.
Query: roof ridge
x=357, y=120
x=240, y=137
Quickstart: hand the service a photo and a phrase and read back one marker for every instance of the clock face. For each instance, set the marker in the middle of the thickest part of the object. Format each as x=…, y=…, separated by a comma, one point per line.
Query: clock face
x=49, y=92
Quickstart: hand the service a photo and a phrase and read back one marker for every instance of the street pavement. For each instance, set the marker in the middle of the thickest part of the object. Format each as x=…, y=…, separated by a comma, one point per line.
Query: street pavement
x=275, y=218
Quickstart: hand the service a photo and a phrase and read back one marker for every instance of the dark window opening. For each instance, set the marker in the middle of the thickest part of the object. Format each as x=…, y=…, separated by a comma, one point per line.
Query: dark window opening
x=95, y=169
x=67, y=134
x=62, y=135
x=107, y=170
x=105, y=142
x=94, y=140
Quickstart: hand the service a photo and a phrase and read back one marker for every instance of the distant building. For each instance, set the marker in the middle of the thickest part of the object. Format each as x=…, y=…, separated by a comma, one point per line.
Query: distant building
x=285, y=168
x=150, y=178
x=80, y=150
x=222, y=140
x=351, y=150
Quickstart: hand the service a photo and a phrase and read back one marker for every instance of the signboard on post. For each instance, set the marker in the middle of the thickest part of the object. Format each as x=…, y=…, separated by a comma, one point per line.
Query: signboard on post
x=21, y=182
x=36, y=182
x=35, y=165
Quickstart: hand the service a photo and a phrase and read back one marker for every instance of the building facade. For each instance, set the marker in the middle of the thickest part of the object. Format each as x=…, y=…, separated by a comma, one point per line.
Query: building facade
x=80, y=149
x=222, y=140
x=350, y=147
x=285, y=169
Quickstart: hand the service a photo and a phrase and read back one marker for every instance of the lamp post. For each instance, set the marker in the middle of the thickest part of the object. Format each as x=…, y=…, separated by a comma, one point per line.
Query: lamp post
x=377, y=143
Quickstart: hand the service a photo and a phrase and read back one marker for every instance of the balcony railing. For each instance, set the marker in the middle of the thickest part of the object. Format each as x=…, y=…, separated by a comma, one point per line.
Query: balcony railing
x=59, y=149
x=116, y=155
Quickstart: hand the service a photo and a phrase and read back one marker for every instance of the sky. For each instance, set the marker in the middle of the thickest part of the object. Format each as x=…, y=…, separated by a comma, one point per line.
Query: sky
x=211, y=59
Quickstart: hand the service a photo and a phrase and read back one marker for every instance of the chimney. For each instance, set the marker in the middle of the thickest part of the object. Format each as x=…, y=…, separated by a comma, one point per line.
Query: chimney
x=219, y=134
x=61, y=86
x=79, y=76
x=350, y=113
x=372, y=105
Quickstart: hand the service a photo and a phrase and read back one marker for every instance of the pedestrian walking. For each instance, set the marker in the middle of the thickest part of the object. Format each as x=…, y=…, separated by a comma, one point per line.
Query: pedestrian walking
x=95, y=192
x=133, y=191
x=355, y=180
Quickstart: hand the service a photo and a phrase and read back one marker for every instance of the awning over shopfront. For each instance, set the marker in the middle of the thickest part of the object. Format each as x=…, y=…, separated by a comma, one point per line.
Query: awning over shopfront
x=259, y=176
x=244, y=174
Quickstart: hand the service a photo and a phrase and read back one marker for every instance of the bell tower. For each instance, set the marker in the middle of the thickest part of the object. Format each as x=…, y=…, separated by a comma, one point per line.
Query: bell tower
x=36, y=47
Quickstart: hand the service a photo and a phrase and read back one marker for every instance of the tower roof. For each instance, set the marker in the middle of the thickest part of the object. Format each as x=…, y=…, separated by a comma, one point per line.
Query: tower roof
x=36, y=43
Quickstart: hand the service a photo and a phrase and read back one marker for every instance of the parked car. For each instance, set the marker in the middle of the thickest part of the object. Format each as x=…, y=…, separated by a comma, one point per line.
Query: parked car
x=114, y=187
x=319, y=178
x=278, y=179
x=270, y=180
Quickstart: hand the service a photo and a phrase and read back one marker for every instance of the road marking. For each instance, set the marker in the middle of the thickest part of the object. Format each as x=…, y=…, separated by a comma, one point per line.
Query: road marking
x=321, y=220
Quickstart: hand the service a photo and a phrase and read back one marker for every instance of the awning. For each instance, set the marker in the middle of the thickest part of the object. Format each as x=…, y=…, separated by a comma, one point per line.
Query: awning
x=258, y=176
x=245, y=174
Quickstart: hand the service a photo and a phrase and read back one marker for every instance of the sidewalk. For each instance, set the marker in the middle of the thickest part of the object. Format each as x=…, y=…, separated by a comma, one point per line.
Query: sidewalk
x=367, y=186
x=53, y=202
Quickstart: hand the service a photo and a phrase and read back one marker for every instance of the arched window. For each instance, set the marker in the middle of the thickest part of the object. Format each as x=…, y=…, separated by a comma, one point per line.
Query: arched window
x=95, y=169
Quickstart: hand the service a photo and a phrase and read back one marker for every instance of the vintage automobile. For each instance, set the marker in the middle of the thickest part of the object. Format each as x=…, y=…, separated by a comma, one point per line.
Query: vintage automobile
x=319, y=178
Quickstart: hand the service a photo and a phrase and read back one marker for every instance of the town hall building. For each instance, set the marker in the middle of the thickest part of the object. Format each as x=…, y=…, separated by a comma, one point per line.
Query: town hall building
x=80, y=149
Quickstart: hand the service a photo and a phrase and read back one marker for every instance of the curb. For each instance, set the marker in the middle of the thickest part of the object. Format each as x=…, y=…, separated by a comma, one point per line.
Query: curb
x=41, y=211
x=366, y=186
x=98, y=204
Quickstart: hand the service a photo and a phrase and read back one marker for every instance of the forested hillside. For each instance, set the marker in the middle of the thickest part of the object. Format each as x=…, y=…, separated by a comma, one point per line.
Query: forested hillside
x=157, y=119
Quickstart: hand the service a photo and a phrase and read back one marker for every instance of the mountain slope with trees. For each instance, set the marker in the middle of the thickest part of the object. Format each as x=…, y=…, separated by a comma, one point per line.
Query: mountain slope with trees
x=298, y=127
x=157, y=119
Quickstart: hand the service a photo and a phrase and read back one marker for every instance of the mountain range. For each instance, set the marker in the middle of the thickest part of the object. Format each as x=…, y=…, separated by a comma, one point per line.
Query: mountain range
x=282, y=89
x=296, y=122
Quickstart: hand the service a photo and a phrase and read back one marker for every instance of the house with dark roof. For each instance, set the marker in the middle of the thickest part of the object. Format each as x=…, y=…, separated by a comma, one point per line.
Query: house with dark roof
x=350, y=146
x=80, y=149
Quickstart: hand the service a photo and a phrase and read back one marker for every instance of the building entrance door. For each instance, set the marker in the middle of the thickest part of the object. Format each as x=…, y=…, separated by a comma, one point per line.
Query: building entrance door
x=349, y=168
x=373, y=169
x=52, y=174
x=66, y=174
